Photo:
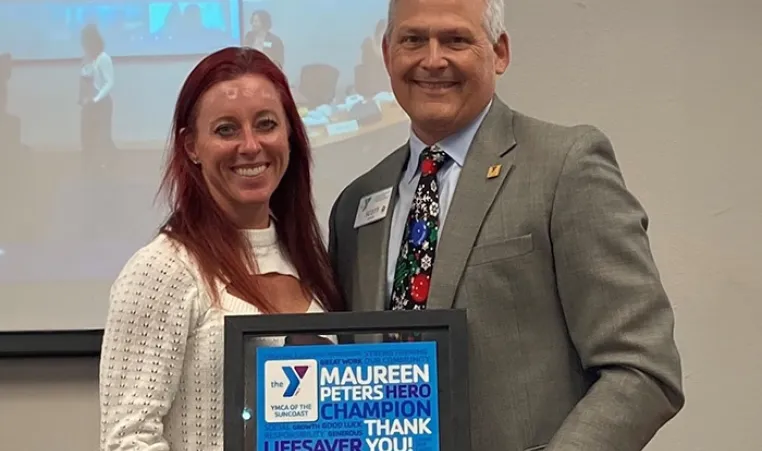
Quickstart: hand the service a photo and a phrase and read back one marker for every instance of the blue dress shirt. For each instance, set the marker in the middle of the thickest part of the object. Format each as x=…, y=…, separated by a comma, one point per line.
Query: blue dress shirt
x=456, y=146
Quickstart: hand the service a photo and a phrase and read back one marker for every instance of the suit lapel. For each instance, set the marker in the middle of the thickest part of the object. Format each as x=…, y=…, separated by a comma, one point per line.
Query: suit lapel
x=471, y=201
x=373, y=239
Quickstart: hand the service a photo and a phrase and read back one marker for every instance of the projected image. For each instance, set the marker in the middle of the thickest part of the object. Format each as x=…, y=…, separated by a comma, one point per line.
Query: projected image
x=329, y=49
x=83, y=133
x=333, y=59
x=50, y=30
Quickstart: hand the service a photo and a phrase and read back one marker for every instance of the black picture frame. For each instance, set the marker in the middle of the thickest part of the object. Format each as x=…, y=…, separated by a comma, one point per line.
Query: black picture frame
x=452, y=321
x=53, y=343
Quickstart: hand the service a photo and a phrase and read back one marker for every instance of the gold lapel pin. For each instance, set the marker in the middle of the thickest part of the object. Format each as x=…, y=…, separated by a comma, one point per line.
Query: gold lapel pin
x=493, y=171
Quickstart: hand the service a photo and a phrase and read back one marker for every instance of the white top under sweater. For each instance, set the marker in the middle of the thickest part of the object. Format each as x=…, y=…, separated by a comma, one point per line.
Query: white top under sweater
x=101, y=70
x=161, y=368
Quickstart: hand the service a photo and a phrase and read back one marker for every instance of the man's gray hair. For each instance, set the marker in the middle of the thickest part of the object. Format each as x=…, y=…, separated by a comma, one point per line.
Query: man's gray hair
x=494, y=22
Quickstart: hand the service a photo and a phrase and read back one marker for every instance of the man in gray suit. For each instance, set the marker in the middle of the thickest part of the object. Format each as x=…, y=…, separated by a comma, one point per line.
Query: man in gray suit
x=526, y=224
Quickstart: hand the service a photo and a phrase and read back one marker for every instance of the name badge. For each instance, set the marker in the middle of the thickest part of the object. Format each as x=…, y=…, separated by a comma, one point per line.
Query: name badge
x=373, y=207
x=268, y=44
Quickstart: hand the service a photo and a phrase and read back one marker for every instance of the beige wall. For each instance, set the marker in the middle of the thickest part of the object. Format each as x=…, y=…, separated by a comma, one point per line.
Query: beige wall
x=677, y=85
x=49, y=404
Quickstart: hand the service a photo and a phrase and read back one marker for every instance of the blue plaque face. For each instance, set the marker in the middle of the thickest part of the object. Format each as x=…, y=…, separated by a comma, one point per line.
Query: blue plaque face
x=354, y=397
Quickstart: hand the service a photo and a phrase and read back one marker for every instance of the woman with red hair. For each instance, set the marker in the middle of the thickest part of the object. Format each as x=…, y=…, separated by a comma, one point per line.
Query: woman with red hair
x=242, y=238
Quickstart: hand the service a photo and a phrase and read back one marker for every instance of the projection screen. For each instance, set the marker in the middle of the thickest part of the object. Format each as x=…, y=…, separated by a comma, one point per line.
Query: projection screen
x=79, y=178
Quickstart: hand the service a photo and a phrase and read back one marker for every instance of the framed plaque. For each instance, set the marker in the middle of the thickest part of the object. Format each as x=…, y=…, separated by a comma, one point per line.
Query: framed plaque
x=347, y=381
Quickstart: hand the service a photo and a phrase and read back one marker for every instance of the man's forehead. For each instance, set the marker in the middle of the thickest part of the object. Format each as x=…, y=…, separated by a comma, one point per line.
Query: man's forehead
x=465, y=8
x=439, y=3
x=432, y=18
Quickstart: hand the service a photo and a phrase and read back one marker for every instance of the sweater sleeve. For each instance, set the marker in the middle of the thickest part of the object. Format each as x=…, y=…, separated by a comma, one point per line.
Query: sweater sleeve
x=150, y=316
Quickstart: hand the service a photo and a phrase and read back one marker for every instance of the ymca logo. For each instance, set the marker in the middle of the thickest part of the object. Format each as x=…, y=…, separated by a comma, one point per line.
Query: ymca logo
x=295, y=375
x=290, y=390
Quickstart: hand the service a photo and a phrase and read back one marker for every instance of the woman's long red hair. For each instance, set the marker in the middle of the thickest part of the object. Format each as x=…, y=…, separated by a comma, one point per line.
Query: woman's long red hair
x=199, y=224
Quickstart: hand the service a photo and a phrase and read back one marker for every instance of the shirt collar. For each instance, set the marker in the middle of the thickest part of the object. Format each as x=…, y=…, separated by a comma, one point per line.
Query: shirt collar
x=455, y=146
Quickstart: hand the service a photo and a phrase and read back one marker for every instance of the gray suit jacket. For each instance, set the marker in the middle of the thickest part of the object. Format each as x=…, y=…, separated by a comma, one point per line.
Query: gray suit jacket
x=571, y=332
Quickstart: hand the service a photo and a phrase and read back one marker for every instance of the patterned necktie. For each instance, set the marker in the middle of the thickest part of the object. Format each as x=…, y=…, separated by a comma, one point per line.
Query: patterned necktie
x=412, y=273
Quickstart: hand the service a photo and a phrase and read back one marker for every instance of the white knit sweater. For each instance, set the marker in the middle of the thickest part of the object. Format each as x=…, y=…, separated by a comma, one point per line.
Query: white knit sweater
x=162, y=356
